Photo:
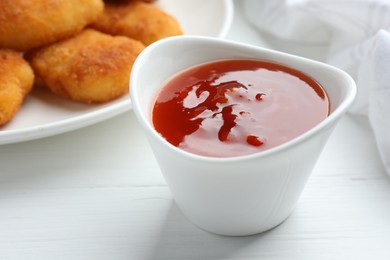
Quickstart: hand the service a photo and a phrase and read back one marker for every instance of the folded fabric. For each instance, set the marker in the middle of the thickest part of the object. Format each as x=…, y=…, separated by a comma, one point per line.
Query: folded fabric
x=357, y=33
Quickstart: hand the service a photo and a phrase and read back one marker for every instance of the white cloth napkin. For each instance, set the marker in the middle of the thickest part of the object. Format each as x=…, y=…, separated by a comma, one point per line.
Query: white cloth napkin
x=358, y=35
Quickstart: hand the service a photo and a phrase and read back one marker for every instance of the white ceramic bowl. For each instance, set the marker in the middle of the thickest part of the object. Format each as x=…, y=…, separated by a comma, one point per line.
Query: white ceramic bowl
x=239, y=195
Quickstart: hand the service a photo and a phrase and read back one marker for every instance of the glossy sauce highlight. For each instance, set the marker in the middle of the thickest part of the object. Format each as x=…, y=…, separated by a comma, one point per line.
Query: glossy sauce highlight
x=237, y=107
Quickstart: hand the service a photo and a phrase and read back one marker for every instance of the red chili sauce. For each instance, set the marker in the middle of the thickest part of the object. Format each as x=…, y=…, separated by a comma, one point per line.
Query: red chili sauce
x=236, y=107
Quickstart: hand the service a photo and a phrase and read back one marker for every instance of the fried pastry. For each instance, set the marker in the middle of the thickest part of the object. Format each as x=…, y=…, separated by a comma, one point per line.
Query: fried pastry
x=16, y=81
x=91, y=67
x=33, y=23
x=138, y=20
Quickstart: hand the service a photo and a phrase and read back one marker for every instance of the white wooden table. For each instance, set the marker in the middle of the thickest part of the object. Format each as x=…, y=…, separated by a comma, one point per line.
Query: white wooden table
x=97, y=193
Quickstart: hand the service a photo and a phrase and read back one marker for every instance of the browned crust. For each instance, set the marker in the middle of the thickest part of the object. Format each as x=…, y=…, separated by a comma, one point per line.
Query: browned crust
x=33, y=23
x=16, y=80
x=138, y=20
x=90, y=67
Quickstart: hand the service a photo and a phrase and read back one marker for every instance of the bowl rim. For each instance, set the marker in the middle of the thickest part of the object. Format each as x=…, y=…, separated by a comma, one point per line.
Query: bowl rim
x=350, y=95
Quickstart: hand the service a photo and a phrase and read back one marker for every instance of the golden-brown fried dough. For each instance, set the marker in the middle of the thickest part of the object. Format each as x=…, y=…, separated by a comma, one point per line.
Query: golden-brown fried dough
x=16, y=80
x=27, y=24
x=138, y=20
x=90, y=67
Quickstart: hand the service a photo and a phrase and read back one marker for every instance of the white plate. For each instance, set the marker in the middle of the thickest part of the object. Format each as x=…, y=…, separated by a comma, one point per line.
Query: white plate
x=44, y=114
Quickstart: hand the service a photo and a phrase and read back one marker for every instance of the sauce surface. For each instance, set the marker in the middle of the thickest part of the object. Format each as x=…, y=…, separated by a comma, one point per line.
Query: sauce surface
x=231, y=108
